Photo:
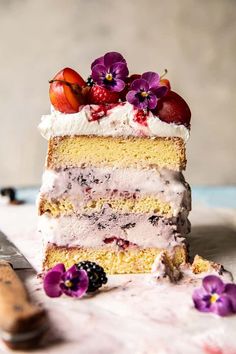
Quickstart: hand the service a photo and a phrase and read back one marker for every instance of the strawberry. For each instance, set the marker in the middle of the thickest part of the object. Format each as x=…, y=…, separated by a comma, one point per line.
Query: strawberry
x=99, y=94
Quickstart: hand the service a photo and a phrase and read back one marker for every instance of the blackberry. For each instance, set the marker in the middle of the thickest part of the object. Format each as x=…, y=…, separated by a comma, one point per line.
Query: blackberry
x=128, y=226
x=97, y=276
x=154, y=220
x=8, y=192
x=90, y=81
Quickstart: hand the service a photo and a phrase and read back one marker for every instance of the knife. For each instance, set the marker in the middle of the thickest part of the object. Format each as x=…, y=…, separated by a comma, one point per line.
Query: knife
x=22, y=323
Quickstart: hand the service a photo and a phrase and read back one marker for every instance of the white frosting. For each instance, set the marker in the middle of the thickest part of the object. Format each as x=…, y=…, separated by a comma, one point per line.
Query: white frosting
x=119, y=121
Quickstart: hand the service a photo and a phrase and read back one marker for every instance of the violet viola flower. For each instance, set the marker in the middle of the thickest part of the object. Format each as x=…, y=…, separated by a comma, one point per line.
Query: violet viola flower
x=110, y=71
x=145, y=91
x=215, y=296
x=72, y=282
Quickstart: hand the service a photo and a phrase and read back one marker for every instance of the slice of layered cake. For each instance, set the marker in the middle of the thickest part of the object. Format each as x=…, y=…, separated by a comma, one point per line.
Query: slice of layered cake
x=113, y=191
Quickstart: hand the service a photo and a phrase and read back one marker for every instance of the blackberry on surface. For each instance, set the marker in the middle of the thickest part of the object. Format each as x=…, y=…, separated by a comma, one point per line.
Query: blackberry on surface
x=96, y=274
x=8, y=192
x=89, y=81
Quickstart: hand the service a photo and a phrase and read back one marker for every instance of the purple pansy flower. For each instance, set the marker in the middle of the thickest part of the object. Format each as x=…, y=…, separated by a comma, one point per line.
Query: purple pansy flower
x=110, y=71
x=72, y=282
x=215, y=296
x=145, y=91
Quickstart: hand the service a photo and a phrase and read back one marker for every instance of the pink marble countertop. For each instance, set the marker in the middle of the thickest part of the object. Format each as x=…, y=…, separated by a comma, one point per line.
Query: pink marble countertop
x=133, y=314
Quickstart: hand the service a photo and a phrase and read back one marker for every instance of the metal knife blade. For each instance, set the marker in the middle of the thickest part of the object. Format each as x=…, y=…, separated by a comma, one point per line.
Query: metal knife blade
x=11, y=254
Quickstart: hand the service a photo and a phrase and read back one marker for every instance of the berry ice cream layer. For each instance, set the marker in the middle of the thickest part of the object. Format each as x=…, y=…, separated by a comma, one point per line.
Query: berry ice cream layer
x=81, y=185
x=110, y=230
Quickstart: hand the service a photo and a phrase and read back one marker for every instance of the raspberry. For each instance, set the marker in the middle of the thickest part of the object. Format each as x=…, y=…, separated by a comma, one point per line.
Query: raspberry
x=120, y=242
x=141, y=117
x=97, y=276
x=97, y=112
x=99, y=95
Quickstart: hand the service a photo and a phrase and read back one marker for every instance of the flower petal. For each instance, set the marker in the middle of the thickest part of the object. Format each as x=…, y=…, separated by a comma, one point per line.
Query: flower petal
x=132, y=98
x=58, y=268
x=80, y=283
x=152, y=101
x=98, y=73
x=213, y=284
x=117, y=85
x=140, y=85
x=160, y=91
x=111, y=58
x=71, y=272
x=143, y=104
x=152, y=79
x=51, y=283
x=84, y=283
x=201, y=300
x=223, y=306
x=230, y=291
x=119, y=70
x=99, y=60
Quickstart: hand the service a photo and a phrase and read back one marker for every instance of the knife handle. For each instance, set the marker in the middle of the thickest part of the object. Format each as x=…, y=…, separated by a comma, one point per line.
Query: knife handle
x=20, y=320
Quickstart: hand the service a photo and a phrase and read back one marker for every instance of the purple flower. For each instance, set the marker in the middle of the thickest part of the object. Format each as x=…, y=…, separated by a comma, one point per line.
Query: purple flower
x=72, y=282
x=145, y=91
x=110, y=71
x=215, y=296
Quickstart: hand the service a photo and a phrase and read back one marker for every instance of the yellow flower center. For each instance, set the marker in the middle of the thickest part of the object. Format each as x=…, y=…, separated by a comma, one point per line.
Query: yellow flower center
x=214, y=298
x=68, y=283
x=109, y=77
x=144, y=94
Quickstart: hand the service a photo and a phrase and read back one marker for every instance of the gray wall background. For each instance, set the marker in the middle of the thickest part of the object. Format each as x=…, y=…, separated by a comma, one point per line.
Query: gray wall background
x=194, y=39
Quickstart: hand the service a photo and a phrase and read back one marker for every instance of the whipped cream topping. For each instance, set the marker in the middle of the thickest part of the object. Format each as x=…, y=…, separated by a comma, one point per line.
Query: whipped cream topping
x=118, y=121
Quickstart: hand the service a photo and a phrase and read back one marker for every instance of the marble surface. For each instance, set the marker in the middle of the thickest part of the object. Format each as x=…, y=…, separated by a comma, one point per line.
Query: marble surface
x=134, y=314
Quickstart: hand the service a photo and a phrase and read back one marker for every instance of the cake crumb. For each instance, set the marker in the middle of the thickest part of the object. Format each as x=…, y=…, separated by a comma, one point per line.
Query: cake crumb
x=163, y=268
x=202, y=265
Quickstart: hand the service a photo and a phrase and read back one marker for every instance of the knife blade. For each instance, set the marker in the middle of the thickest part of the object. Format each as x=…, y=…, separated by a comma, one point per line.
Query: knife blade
x=10, y=253
x=21, y=322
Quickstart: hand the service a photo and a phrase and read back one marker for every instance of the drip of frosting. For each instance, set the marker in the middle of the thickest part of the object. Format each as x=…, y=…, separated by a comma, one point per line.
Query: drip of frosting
x=118, y=121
